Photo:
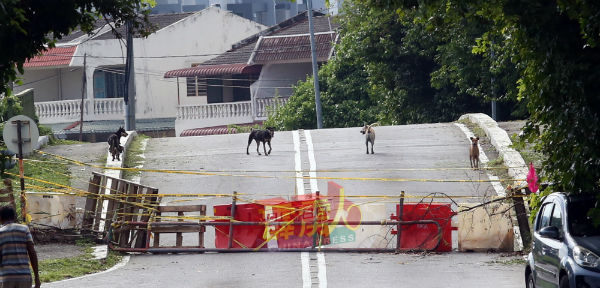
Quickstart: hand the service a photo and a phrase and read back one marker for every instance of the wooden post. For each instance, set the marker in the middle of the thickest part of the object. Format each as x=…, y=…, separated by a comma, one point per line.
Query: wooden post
x=230, y=242
x=100, y=205
x=21, y=170
x=399, y=227
x=91, y=202
x=522, y=219
x=110, y=208
x=143, y=239
x=201, y=234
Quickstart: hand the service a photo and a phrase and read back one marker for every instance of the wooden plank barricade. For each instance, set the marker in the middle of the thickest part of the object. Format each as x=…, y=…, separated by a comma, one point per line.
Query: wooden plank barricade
x=128, y=214
x=111, y=208
x=178, y=227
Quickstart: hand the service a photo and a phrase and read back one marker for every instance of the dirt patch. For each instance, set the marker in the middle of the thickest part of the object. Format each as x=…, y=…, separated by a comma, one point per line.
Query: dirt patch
x=512, y=127
x=57, y=251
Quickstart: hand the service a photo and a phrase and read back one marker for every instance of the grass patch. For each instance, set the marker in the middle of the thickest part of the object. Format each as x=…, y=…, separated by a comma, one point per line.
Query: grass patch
x=243, y=128
x=55, y=141
x=64, y=268
x=133, y=157
x=500, y=170
x=44, y=168
x=527, y=151
x=477, y=131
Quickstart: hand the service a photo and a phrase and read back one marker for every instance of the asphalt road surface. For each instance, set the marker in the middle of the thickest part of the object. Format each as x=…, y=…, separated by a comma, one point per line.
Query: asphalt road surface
x=417, y=159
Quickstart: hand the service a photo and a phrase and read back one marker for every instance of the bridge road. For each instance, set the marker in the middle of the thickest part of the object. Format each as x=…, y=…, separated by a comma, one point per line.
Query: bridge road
x=413, y=146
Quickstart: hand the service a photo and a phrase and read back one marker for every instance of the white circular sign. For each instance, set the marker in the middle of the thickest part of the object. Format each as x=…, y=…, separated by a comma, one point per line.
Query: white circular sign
x=29, y=134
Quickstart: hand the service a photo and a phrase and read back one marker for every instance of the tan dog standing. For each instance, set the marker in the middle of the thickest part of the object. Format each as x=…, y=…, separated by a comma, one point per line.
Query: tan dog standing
x=369, y=135
x=474, y=152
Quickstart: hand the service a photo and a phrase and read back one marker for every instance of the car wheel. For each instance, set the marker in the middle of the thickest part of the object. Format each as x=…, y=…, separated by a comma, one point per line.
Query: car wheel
x=530, y=283
x=564, y=282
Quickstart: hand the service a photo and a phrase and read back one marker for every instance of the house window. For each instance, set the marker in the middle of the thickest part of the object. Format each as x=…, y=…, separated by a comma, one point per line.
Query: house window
x=241, y=87
x=196, y=86
x=109, y=82
x=214, y=91
x=229, y=88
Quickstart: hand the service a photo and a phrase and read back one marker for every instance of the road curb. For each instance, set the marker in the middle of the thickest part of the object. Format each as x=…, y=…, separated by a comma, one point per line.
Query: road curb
x=101, y=251
x=517, y=168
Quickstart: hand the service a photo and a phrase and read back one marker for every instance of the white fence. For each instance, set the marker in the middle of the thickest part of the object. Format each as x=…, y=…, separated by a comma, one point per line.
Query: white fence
x=70, y=110
x=208, y=115
x=190, y=116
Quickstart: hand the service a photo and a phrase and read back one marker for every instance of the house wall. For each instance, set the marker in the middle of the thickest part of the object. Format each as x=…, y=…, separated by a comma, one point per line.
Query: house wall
x=201, y=36
x=52, y=84
x=71, y=83
x=279, y=78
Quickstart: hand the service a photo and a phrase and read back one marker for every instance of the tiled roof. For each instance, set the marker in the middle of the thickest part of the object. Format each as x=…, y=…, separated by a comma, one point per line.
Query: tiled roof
x=160, y=21
x=78, y=33
x=292, y=48
x=240, y=55
x=242, y=51
x=214, y=70
x=215, y=130
x=57, y=56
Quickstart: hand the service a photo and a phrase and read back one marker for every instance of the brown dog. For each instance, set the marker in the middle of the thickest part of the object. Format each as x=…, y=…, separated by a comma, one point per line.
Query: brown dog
x=474, y=152
x=369, y=136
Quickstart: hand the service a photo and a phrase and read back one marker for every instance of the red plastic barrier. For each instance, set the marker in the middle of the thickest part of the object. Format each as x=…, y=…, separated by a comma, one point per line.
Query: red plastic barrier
x=244, y=236
x=422, y=236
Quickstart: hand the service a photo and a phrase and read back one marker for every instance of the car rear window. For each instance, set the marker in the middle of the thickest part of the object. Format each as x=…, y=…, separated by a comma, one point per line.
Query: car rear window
x=580, y=224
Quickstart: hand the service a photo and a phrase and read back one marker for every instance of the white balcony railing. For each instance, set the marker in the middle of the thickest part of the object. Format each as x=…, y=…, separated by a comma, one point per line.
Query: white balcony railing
x=216, y=110
x=114, y=109
x=208, y=115
x=265, y=106
x=70, y=110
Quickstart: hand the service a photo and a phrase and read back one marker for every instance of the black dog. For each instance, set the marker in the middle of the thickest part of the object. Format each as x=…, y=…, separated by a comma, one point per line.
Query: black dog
x=263, y=136
x=114, y=143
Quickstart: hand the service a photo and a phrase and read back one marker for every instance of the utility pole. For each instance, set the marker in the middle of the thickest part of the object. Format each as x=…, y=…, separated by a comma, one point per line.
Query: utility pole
x=129, y=81
x=83, y=93
x=492, y=83
x=315, y=66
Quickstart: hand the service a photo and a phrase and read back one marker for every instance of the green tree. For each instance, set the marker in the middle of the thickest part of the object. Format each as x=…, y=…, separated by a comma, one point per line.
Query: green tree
x=29, y=27
x=554, y=48
x=400, y=67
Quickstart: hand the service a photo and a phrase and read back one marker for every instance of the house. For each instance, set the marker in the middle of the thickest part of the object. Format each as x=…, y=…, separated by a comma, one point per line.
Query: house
x=57, y=75
x=259, y=72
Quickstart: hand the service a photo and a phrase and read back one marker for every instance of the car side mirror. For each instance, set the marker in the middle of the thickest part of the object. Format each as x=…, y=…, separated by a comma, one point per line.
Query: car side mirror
x=550, y=232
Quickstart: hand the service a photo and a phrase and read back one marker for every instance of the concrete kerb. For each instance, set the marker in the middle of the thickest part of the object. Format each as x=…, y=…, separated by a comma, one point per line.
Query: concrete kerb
x=101, y=251
x=517, y=168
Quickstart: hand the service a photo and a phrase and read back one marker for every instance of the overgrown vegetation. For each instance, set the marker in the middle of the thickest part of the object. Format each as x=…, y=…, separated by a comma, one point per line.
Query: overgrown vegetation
x=53, y=141
x=43, y=168
x=59, y=269
x=133, y=156
x=244, y=128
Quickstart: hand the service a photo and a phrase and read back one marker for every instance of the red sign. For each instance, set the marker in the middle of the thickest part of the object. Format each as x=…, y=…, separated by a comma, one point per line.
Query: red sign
x=532, y=179
x=299, y=236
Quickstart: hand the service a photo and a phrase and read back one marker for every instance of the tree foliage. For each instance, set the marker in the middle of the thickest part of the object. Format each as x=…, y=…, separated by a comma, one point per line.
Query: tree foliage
x=30, y=27
x=427, y=61
x=394, y=68
x=554, y=47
